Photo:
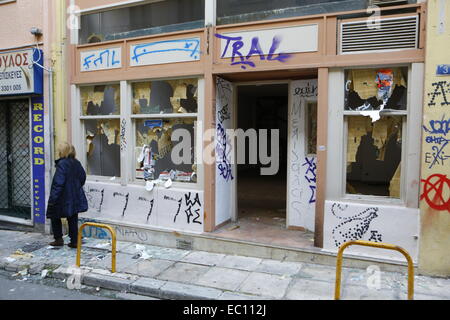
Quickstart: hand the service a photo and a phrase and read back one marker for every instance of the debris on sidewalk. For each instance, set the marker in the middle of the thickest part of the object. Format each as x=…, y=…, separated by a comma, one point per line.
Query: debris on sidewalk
x=19, y=254
x=44, y=273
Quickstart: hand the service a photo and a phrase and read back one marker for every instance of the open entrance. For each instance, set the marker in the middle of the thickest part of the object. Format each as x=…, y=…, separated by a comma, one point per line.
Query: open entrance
x=15, y=168
x=261, y=198
x=266, y=196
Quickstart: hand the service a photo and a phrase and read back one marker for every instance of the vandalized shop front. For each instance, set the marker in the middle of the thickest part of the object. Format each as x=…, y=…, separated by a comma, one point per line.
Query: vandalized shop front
x=23, y=139
x=296, y=131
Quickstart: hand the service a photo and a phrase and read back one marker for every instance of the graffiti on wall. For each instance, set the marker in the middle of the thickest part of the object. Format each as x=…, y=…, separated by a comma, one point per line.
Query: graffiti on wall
x=223, y=143
x=310, y=176
x=151, y=204
x=355, y=226
x=125, y=198
x=436, y=192
x=191, y=206
x=95, y=198
x=440, y=96
x=246, y=59
x=172, y=208
x=295, y=185
x=165, y=51
x=101, y=59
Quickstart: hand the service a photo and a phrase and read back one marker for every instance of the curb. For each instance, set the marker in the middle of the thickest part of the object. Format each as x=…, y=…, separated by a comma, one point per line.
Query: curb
x=150, y=287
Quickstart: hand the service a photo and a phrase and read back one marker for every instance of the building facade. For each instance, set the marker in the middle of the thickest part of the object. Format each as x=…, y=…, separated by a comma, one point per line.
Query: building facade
x=26, y=100
x=335, y=88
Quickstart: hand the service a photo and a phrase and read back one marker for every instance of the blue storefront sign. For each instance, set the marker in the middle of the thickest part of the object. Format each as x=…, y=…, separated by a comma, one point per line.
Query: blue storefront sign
x=20, y=73
x=38, y=159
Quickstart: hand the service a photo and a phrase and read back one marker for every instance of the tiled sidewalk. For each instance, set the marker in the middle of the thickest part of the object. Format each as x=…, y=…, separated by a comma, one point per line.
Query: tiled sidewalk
x=168, y=273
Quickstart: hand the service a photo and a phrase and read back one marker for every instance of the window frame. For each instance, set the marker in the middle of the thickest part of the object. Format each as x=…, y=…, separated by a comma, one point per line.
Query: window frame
x=338, y=131
x=80, y=142
x=127, y=157
x=197, y=116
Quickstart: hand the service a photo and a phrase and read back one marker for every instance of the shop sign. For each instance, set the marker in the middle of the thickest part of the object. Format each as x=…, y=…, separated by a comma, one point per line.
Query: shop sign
x=18, y=73
x=38, y=162
x=167, y=51
x=103, y=59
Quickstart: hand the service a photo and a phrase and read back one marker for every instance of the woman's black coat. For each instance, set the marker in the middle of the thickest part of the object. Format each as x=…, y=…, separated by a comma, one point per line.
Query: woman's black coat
x=67, y=196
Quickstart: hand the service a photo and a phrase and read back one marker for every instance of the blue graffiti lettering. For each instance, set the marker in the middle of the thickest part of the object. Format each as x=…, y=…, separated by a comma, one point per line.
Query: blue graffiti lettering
x=191, y=46
x=106, y=58
x=438, y=126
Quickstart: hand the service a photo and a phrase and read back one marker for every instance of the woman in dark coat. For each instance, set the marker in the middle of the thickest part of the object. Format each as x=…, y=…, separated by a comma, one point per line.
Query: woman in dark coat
x=67, y=197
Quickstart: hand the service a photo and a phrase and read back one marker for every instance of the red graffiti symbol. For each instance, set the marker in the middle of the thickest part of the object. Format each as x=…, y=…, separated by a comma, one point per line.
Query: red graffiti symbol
x=436, y=192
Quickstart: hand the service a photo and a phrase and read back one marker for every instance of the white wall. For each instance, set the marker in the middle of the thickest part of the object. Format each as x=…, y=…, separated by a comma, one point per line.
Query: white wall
x=175, y=209
x=345, y=221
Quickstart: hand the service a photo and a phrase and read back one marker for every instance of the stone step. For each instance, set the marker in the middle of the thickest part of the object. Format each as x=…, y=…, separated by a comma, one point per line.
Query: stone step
x=210, y=242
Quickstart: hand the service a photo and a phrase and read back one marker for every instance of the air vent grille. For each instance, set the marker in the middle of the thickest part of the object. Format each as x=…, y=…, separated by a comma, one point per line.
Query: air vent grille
x=391, y=34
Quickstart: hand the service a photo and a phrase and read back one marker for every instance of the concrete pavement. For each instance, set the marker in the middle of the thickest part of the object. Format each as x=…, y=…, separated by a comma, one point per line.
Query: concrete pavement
x=168, y=273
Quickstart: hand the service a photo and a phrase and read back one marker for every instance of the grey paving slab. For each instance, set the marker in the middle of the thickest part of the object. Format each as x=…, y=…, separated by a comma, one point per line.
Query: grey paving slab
x=429, y=285
x=319, y=272
x=387, y=280
x=279, y=267
x=239, y=262
x=104, y=261
x=157, y=252
x=183, y=272
x=181, y=291
x=304, y=289
x=223, y=278
x=149, y=268
x=361, y=293
x=147, y=286
x=265, y=285
x=205, y=258
x=105, y=244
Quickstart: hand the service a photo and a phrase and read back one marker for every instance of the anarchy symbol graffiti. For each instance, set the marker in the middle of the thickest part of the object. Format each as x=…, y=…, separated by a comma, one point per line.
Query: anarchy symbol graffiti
x=436, y=192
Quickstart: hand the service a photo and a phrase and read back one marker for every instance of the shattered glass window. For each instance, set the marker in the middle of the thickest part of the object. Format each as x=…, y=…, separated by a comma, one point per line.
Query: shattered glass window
x=167, y=96
x=100, y=100
x=374, y=152
x=103, y=147
x=154, y=147
x=376, y=89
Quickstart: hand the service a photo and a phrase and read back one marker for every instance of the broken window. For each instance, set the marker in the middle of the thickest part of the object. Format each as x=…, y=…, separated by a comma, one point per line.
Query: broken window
x=100, y=106
x=154, y=147
x=375, y=112
x=167, y=96
x=103, y=147
x=374, y=152
x=176, y=99
x=376, y=89
x=100, y=100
